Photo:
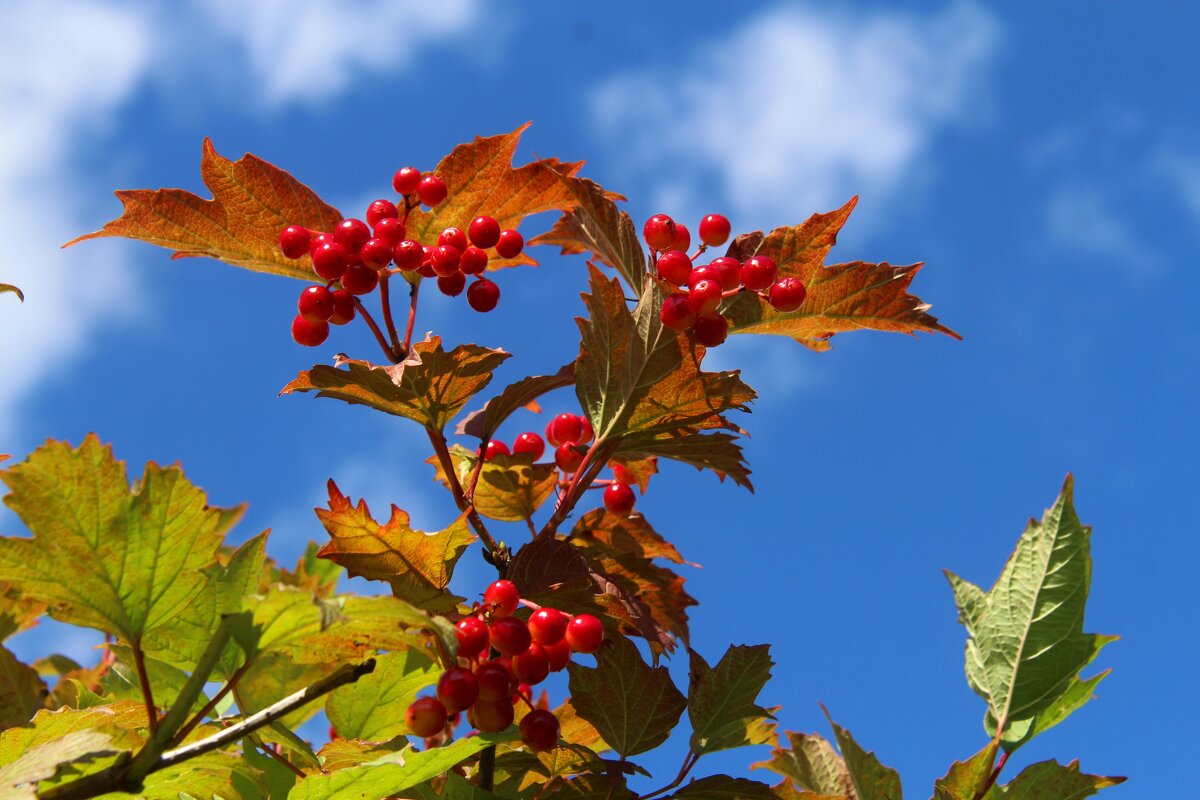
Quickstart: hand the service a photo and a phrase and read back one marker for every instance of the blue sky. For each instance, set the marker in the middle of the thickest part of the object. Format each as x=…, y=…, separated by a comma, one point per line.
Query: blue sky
x=1044, y=161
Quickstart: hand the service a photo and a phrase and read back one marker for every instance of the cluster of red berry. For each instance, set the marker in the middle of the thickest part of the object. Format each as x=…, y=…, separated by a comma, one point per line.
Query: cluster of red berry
x=570, y=434
x=706, y=286
x=352, y=257
x=525, y=653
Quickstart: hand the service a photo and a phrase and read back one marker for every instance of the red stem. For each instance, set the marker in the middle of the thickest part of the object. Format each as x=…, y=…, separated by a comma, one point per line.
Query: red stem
x=412, y=315
x=367, y=318
x=139, y=660
x=385, y=301
x=211, y=704
x=438, y=440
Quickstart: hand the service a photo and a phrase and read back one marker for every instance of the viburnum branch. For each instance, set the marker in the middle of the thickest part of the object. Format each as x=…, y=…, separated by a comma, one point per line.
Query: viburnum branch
x=593, y=462
x=192, y=688
x=129, y=771
x=412, y=315
x=438, y=440
x=385, y=302
x=689, y=761
x=367, y=318
x=139, y=661
x=199, y=716
x=267, y=750
x=991, y=779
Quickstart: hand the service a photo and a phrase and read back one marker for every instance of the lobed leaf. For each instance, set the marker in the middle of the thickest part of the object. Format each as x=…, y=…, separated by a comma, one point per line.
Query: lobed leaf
x=373, y=707
x=19, y=778
x=634, y=706
x=811, y=763
x=125, y=562
x=418, y=565
x=723, y=787
x=252, y=202
x=632, y=535
x=430, y=386
x=22, y=691
x=510, y=487
x=722, y=700
x=485, y=422
x=1026, y=645
x=17, y=613
x=966, y=779
x=1049, y=780
x=870, y=779
x=598, y=227
x=841, y=297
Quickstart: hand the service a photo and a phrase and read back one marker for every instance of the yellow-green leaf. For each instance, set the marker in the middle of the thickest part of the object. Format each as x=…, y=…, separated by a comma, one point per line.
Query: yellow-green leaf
x=722, y=703
x=510, y=487
x=372, y=707
x=1049, y=780
x=966, y=779
x=809, y=761
x=8, y=287
x=871, y=780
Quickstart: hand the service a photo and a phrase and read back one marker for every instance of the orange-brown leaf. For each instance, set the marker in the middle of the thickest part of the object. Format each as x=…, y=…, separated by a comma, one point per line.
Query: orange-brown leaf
x=631, y=535
x=252, y=201
x=842, y=297
x=481, y=180
x=430, y=386
x=640, y=469
x=510, y=488
x=418, y=565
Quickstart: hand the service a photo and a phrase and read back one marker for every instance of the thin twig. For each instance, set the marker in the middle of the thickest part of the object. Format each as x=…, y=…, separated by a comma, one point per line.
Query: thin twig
x=991, y=779
x=211, y=704
x=689, y=761
x=385, y=301
x=438, y=440
x=275, y=754
x=412, y=315
x=139, y=661
x=593, y=462
x=367, y=318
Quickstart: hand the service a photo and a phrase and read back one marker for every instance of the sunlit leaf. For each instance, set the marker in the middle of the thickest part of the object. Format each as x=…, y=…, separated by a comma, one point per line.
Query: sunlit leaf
x=632, y=534
x=312, y=573
x=418, y=565
x=639, y=469
x=430, y=386
x=102, y=556
x=217, y=775
x=485, y=422
x=722, y=703
x=373, y=707
x=1026, y=644
x=252, y=202
x=841, y=297
x=810, y=761
x=870, y=779
x=1049, y=780
x=17, y=613
x=966, y=779
x=510, y=488
x=120, y=682
x=634, y=706
x=481, y=180
x=20, y=777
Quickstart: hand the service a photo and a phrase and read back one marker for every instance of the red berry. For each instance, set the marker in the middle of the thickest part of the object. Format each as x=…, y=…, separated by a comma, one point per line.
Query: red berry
x=683, y=238
x=547, y=625
x=495, y=447
x=674, y=267
x=559, y=654
x=360, y=279
x=529, y=442
x=453, y=237
x=406, y=179
x=351, y=234
x=568, y=457
x=619, y=499
x=408, y=255
x=759, y=272
x=431, y=190
x=426, y=271
x=704, y=296
x=586, y=433
x=390, y=229
x=309, y=333
x=329, y=260
x=376, y=253
x=294, y=241
x=472, y=635
x=343, y=307
x=444, y=259
x=728, y=272
x=710, y=330
x=787, y=294
x=452, y=285
x=532, y=666
x=502, y=595
x=426, y=717
x=565, y=428
x=457, y=689
x=319, y=239
x=483, y=295
x=509, y=635
x=492, y=716
x=484, y=232
x=585, y=633
x=510, y=244
x=714, y=230
x=677, y=313
x=316, y=304
x=495, y=681
x=473, y=261
x=659, y=232
x=539, y=730
x=379, y=210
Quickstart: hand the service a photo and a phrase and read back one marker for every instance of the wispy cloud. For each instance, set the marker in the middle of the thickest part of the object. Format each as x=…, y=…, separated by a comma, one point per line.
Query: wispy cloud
x=801, y=107
x=1083, y=218
x=1182, y=172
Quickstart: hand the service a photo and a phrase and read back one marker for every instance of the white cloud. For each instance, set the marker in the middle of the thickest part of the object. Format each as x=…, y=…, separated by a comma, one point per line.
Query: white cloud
x=1083, y=219
x=801, y=108
x=305, y=51
x=1182, y=171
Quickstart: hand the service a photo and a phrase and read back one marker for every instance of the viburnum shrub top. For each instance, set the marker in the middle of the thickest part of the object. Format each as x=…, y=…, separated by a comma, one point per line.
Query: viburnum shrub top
x=585, y=578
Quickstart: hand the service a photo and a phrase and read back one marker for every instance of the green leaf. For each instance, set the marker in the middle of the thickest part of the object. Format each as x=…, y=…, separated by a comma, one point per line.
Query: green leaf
x=213, y=775
x=418, y=565
x=965, y=779
x=811, y=762
x=598, y=227
x=272, y=676
x=19, y=778
x=368, y=624
x=373, y=707
x=870, y=779
x=17, y=613
x=8, y=287
x=121, y=681
x=510, y=487
x=22, y=691
x=241, y=574
x=1026, y=645
x=723, y=787
x=634, y=706
x=721, y=700
x=1049, y=780
x=102, y=556
x=485, y=422
x=393, y=773
x=430, y=386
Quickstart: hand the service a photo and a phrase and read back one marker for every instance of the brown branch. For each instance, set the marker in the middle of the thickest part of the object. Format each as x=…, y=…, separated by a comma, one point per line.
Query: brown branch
x=211, y=704
x=689, y=761
x=593, y=462
x=438, y=440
